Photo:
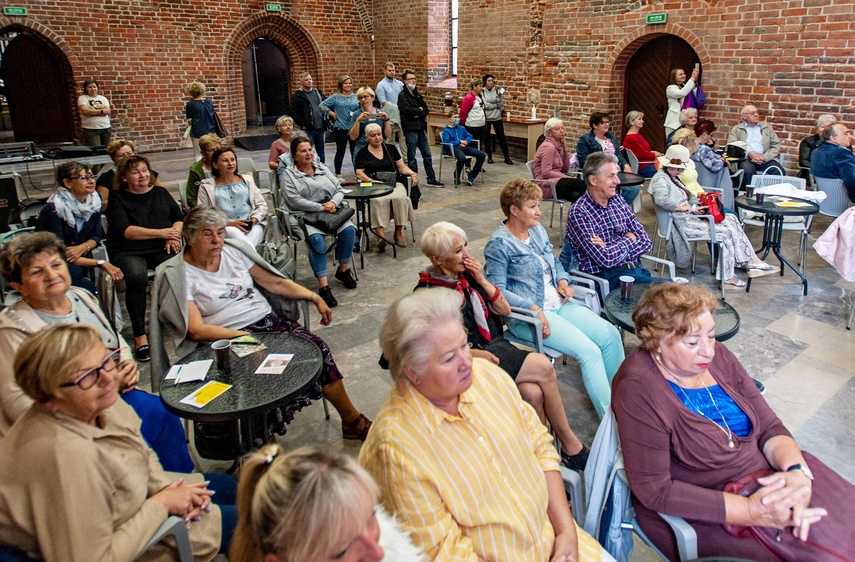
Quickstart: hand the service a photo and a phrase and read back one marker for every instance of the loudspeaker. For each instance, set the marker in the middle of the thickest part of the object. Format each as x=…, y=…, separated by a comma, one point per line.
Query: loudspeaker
x=9, y=204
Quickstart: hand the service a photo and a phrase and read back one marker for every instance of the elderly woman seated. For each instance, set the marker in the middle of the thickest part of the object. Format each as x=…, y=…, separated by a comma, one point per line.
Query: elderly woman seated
x=670, y=194
x=236, y=195
x=483, y=305
x=521, y=263
x=77, y=482
x=311, y=505
x=34, y=265
x=552, y=162
x=691, y=421
x=106, y=182
x=688, y=118
x=458, y=456
x=379, y=158
x=309, y=186
x=215, y=289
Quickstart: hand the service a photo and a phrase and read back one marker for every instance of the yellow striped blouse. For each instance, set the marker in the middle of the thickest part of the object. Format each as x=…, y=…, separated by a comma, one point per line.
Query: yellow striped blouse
x=469, y=485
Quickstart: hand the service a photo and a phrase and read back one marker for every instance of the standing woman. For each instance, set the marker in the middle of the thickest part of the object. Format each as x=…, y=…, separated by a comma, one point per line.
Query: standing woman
x=94, y=115
x=200, y=114
x=473, y=114
x=342, y=108
x=236, y=195
x=145, y=230
x=639, y=145
x=678, y=88
x=73, y=214
x=369, y=114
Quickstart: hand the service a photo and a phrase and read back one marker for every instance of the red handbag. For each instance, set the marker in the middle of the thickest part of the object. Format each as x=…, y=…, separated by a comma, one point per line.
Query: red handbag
x=710, y=200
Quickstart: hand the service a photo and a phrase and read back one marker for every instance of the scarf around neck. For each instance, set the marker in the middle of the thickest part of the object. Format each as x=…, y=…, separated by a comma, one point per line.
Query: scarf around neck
x=461, y=285
x=69, y=208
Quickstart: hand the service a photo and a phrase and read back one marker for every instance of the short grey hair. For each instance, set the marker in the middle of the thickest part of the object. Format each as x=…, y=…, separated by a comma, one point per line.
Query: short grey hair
x=594, y=163
x=282, y=120
x=632, y=116
x=406, y=336
x=551, y=123
x=686, y=114
x=823, y=118
x=199, y=218
x=371, y=127
x=438, y=239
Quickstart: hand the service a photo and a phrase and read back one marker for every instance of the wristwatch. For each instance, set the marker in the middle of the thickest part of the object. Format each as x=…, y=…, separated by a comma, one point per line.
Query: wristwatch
x=101, y=263
x=803, y=468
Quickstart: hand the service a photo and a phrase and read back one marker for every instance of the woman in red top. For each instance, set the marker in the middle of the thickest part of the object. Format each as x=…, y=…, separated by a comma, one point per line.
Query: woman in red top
x=638, y=145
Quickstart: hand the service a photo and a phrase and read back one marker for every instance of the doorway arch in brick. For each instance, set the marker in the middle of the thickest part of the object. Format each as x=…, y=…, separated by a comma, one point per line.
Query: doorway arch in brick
x=297, y=44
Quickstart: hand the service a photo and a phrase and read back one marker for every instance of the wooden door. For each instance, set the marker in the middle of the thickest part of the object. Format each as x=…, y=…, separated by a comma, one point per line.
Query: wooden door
x=647, y=75
x=35, y=87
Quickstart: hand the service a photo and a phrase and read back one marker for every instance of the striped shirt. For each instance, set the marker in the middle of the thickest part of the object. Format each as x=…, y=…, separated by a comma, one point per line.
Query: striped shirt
x=471, y=485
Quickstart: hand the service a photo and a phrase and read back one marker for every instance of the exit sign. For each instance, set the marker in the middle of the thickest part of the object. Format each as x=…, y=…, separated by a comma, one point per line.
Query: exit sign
x=657, y=18
x=9, y=11
x=273, y=7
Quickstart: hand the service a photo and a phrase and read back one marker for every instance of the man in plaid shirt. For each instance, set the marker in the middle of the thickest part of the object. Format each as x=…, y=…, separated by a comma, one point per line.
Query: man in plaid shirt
x=602, y=229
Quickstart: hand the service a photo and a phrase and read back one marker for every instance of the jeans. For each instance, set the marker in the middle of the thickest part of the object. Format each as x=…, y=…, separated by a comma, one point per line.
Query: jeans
x=640, y=274
x=629, y=193
x=594, y=342
x=499, y=127
x=226, y=499
x=342, y=141
x=343, y=250
x=461, y=152
x=318, y=138
x=419, y=139
x=648, y=171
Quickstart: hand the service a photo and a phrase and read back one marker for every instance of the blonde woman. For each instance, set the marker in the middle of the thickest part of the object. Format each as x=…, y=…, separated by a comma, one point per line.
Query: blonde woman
x=200, y=114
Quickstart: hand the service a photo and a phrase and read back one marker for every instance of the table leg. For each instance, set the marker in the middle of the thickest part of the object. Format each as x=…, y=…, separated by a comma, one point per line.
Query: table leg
x=374, y=232
x=773, y=230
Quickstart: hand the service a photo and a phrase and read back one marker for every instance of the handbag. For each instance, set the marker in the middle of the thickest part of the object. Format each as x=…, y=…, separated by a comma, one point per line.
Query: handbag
x=280, y=258
x=328, y=223
x=395, y=177
x=710, y=200
x=222, y=132
x=781, y=544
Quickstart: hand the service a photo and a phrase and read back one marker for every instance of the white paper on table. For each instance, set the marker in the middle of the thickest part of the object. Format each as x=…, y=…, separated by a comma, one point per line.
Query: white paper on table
x=346, y=190
x=193, y=371
x=274, y=364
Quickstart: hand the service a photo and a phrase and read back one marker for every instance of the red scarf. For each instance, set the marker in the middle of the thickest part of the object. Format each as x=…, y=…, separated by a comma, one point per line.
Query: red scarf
x=462, y=287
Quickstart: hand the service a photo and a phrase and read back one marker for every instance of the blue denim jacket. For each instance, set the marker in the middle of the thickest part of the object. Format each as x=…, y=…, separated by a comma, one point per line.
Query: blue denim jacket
x=515, y=268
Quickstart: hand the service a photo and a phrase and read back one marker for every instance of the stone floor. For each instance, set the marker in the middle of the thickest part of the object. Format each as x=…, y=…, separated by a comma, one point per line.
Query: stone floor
x=798, y=346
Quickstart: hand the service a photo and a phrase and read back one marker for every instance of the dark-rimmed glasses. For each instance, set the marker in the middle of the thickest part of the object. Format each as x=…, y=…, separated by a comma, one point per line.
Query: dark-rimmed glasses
x=90, y=378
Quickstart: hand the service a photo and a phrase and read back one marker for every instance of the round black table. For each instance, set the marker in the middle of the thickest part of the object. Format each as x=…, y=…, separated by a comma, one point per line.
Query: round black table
x=773, y=226
x=619, y=312
x=250, y=395
x=360, y=195
x=628, y=179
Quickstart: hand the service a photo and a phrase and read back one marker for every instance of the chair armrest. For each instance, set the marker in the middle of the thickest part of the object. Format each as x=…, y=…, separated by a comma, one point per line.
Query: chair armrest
x=587, y=297
x=710, y=218
x=712, y=189
x=583, y=282
x=304, y=307
x=529, y=317
x=573, y=487
x=286, y=216
x=668, y=263
x=687, y=538
x=601, y=284
x=173, y=526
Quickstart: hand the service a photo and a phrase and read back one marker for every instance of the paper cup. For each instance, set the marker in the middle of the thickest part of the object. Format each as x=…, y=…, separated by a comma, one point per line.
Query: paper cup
x=221, y=350
x=626, y=287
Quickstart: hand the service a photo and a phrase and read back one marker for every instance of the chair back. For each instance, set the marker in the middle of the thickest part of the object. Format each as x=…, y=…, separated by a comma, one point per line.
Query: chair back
x=547, y=187
x=664, y=222
x=837, y=199
x=720, y=180
x=245, y=165
x=182, y=191
x=771, y=179
x=632, y=159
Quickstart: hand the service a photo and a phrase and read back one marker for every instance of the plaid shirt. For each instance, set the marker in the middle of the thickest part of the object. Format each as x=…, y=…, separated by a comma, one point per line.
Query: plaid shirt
x=587, y=219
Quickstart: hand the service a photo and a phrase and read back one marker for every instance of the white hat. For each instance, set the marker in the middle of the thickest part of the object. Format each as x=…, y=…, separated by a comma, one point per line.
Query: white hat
x=677, y=156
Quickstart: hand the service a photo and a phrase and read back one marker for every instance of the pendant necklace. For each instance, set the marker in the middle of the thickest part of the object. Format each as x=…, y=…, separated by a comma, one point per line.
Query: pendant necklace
x=726, y=428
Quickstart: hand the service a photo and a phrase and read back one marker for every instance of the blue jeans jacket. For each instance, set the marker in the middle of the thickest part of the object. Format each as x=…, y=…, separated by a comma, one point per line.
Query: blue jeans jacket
x=515, y=268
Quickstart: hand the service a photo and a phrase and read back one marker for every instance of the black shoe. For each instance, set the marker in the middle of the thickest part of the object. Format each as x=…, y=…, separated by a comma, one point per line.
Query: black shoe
x=436, y=183
x=577, y=461
x=347, y=278
x=143, y=353
x=326, y=294
x=490, y=160
x=508, y=161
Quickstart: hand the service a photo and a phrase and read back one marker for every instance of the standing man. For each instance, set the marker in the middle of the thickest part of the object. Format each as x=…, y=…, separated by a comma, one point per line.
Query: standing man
x=762, y=144
x=307, y=113
x=494, y=104
x=414, y=112
x=388, y=90
x=834, y=158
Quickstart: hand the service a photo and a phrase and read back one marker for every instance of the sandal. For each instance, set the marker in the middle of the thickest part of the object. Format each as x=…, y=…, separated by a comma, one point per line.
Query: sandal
x=577, y=461
x=762, y=266
x=356, y=429
x=381, y=246
x=738, y=284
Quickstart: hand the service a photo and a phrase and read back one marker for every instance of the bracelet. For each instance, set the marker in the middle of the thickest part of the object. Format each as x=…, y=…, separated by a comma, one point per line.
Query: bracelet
x=312, y=300
x=495, y=296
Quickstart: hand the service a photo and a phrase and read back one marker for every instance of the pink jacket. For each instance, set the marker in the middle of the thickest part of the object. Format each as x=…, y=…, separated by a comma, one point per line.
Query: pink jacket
x=551, y=162
x=837, y=244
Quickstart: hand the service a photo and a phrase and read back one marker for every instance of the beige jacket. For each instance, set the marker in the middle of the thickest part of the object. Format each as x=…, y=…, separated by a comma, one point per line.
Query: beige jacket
x=256, y=199
x=74, y=492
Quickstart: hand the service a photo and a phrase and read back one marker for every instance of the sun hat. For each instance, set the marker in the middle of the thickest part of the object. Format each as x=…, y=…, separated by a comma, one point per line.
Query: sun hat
x=677, y=156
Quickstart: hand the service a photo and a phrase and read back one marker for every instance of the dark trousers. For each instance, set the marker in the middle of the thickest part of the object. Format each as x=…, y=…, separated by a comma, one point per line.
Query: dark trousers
x=751, y=168
x=318, y=138
x=342, y=141
x=478, y=134
x=499, y=128
x=461, y=152
x=570, y=189
x=639, y=273
x=418, y=139
x=135, y=269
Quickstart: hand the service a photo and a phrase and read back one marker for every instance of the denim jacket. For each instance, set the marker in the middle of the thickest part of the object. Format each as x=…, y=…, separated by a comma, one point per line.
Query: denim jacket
x=514, y=267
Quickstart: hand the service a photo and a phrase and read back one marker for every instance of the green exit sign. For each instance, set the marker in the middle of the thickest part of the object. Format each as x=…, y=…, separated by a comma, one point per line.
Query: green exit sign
x=9, y=11
x=657, y=18
x=273, y=7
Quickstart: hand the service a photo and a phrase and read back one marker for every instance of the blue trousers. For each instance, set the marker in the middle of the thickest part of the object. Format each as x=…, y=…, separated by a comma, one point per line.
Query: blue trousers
x=419, y=139
x=594, y=342
x=163, y=431
x=226, y=499
x=318, y=247
x=461, y=152
x=629, y=193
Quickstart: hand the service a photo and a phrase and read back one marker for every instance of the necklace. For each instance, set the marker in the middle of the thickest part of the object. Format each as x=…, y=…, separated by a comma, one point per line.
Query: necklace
x=726, y=428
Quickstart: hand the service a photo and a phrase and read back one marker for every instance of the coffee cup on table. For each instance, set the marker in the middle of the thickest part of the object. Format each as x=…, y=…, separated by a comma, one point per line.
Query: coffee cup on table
x=626, y=287
x=221, y=350
x=759, y=197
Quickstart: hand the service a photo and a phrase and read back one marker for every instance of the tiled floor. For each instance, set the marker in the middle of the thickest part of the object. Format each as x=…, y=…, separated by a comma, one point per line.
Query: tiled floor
x=798, y=346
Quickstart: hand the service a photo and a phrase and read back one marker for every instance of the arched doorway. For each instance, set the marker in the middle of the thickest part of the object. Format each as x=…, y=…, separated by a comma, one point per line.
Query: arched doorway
x=35, y=81
x=265, y=82
x=646, y=78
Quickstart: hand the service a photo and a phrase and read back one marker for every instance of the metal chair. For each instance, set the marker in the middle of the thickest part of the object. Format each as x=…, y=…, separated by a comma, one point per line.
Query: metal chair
x=182, y=192
x=837, y=200
x=573, y=487
x=554, y=199
x=602, y=285
x=720, y=181
x=634, y=165
x=446, y=150
x=244, y=165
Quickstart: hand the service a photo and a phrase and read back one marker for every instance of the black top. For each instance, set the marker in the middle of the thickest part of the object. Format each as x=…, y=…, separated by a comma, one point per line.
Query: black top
x=413, y=109
x=371, y=164
x=106, y=179
x=153, y=209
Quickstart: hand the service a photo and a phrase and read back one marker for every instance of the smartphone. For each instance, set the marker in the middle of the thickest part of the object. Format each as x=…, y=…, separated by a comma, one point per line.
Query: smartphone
x=697, y=65
x=374, y=116
x=502, y=91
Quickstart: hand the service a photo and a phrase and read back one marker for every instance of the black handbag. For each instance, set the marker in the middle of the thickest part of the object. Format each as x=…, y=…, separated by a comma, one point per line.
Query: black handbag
x=328, y=223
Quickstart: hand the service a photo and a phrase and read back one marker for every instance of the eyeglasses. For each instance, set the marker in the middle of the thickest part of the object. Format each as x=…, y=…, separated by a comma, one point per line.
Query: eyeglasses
x=88, y=177
x=91, y=377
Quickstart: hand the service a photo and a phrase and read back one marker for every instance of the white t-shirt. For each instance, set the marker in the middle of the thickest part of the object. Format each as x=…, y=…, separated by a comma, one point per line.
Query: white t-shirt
x=94, y=121
x=227, y=297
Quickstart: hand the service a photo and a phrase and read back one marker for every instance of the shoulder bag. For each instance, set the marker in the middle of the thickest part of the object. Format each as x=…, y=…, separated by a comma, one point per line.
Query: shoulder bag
x=328, y=223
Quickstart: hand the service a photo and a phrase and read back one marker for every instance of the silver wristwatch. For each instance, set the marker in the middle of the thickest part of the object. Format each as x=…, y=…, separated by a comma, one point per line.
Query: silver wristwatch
x=100, y=263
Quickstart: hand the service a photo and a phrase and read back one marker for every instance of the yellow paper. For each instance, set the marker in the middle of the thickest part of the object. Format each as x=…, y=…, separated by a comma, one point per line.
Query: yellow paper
x=792, y=204
x=206, y=394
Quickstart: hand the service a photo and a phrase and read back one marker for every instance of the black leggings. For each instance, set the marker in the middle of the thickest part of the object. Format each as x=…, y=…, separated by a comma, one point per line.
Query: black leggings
x=135, y=269
x=342, y=141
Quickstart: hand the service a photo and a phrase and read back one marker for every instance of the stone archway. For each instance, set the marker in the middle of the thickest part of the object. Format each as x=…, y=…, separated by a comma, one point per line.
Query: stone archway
x=296, y=43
